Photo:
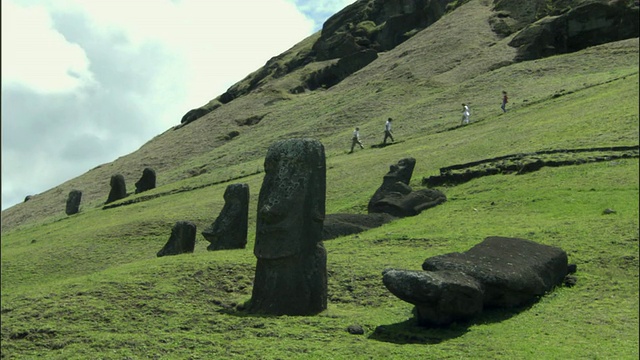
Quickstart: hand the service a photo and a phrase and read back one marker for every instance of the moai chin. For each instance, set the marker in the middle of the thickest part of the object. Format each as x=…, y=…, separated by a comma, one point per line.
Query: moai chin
x=291, y=271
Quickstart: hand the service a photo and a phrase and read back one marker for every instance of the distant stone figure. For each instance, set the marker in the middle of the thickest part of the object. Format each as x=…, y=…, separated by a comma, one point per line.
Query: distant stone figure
x=182, y=239
x=291, y=274
x=229, y=230
x=118, y=189
x=147, y=181
x=498, y=272
x=396, y=198
x=73, y=202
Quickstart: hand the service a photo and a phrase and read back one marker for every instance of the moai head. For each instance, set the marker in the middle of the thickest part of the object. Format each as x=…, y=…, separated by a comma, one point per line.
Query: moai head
x=291, y=203
x=402, y=171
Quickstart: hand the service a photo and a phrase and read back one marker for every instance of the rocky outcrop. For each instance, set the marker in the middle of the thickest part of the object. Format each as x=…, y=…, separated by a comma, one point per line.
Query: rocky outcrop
x=584, y=26
x=333, y=74
x=377, y=25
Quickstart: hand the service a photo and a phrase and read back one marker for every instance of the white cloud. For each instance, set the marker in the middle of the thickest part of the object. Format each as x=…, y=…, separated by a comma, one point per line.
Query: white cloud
x=120, y=72
x=36, y=56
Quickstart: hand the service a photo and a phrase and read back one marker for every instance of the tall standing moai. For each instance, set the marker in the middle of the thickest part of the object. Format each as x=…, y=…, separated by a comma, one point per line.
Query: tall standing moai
x=147, y=181
x=118, y=189
x=229, y=230
x=73, y=202
x=291, y=272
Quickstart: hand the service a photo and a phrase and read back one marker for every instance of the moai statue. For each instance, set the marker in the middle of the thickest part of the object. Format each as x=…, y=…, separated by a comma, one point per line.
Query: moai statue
x=118, y=189
x=73, y=202
x=396, y=198
x=229, y=230
x=182, y=239
x=147, y=181
x=291, y=272
x=395, y=181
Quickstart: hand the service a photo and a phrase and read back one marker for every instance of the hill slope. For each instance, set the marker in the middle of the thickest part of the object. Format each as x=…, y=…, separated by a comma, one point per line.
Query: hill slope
x=90, y=285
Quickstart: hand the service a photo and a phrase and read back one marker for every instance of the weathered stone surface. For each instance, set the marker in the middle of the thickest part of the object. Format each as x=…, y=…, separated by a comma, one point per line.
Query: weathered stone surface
x=336, y=225
x=291, y=275
x=229, y=230
x=333, y=74
x=147, y=181
x=583, y=26
x=513, y=271
x=182, y=239
x=396, y=198
x=440, y=297
x=73, y=202
x=498, y=272
x=377, y=25
x=118, y=189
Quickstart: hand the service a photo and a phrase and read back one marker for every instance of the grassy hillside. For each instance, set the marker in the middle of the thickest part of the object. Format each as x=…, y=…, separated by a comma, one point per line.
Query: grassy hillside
x=90, y=285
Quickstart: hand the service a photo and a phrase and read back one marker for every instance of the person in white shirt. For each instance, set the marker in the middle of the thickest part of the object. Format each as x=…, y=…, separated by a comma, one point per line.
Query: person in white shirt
x=387, y=131
x=356, y=139
x=465, y=114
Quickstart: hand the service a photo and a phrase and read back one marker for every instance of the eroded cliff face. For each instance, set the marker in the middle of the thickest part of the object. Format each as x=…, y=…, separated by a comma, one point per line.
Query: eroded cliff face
x=352, y=38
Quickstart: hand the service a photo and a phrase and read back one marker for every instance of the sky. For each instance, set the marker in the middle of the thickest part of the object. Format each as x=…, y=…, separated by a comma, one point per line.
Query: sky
x=87, y=81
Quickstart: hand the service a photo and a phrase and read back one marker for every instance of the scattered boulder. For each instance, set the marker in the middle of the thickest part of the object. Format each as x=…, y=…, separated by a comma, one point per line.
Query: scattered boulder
x=291, y=271
x=229, y=230
x=498, y=272
x=355, y=330
x=73, y=202
x=147, y=181
x=396, y=198
x=118, y=189
x=182, y=239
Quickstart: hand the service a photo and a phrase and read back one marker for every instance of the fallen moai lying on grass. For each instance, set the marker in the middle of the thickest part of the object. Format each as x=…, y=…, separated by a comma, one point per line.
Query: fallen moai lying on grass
x=498, y=272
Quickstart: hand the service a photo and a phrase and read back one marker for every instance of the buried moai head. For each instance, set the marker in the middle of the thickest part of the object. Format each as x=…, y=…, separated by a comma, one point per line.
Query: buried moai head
x=118, y=189
x=229, y=230
x=402, y=171
x=73, y=202
x=182, y=239
x=291, y=203
x=147, y=181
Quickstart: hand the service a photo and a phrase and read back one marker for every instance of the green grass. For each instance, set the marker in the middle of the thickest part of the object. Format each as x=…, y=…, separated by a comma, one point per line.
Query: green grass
x=90, y=285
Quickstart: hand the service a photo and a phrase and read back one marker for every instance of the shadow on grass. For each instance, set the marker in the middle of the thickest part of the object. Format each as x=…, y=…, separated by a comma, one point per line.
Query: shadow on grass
x=409, y=332
x=382, y=145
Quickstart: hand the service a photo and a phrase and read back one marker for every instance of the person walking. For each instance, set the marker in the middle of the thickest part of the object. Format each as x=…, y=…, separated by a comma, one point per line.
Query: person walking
x=505, y=100
x=356, y=139
x=387, y=131
x=465, y=114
